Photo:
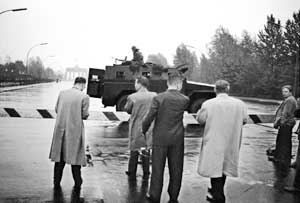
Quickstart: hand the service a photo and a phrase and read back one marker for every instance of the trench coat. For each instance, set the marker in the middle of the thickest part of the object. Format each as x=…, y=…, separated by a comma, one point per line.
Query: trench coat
x=223, y=118
x=71, y=108
x=138, y=105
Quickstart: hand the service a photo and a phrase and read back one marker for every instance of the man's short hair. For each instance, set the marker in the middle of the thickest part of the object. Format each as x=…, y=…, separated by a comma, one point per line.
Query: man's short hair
x=143, y=81
x=174, y=78
x=80, y=80
x=222, y=86
x=289, y=87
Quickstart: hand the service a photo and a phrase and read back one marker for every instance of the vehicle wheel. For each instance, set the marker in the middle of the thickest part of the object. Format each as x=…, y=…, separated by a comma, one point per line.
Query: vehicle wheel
x=196, y=105
x=121, y=103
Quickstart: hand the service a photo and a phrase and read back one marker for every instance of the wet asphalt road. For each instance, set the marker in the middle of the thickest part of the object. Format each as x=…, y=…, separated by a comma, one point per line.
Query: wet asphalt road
x=26, y=172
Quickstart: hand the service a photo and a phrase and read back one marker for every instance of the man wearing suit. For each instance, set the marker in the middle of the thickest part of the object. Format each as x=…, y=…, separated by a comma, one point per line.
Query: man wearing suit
x=168, y=138
x=138, y=105
x=223, y=117
x=68, y=143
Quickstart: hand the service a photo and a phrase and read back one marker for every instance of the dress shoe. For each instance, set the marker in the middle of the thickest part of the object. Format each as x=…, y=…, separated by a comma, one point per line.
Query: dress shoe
x=294, y=164
x=292, y=189
x=272, y=158
x=151, y=199
x=131, y=177
x=210, y=198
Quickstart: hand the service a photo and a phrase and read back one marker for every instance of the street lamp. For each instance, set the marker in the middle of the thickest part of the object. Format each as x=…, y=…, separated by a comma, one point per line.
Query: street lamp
x=297, y=66
x=14, y=10
x=41, y=44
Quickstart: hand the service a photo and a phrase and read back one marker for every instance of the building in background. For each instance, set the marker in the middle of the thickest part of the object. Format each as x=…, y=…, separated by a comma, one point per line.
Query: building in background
x=72, y=73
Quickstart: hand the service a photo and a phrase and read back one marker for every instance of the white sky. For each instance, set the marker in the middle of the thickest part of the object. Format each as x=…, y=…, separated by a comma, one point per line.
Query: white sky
x=89, y=32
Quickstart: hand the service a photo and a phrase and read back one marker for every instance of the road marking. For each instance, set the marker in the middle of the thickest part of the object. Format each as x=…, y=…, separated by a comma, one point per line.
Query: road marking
x=111, y=116
x=44, y=113
x=12, y=112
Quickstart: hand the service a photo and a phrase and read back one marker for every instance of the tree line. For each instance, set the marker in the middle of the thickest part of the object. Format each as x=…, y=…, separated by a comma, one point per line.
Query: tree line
x=255, y=66
x=16, y=71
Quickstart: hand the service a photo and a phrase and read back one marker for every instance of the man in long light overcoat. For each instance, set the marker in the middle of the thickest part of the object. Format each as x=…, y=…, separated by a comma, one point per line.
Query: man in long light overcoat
x=223, y=117
x=68, y=143
x=138, y=105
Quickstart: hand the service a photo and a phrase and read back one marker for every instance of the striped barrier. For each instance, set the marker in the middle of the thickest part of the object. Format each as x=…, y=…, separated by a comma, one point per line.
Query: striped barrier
x=112, y=116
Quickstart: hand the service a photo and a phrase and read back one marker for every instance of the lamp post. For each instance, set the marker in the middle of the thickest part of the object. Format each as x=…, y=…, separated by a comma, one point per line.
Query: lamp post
x=297, y=65
x=41, y=44
x=14, y=10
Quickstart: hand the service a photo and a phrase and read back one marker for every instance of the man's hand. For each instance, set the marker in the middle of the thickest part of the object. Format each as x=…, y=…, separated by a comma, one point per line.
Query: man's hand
x=143, y=134
x=276, y=125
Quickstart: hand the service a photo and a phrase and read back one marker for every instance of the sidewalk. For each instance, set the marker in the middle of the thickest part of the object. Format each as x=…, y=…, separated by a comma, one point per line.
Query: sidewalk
x=12, y=88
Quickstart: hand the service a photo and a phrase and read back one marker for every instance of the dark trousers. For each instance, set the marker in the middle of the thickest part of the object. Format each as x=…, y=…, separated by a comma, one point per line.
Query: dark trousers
x=284, y=145
x=58, y=173
x=217, y=188
x=297, y=176
x=133, y=162
x=175, y=155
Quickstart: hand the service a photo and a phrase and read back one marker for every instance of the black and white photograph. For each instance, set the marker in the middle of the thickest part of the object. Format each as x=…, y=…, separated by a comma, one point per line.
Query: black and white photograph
x=161, y=101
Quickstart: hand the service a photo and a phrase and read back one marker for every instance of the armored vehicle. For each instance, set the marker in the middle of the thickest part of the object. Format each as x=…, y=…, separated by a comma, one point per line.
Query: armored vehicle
x=116, y=82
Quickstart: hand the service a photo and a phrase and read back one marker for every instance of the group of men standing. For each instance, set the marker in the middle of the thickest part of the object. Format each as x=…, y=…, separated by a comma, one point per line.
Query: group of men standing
x=156, y=123
x=162, y=115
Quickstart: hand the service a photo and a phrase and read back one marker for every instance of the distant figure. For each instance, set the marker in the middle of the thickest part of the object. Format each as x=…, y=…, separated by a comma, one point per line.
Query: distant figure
x=168, y=138
x=284, y=122
x=223, y=117
x=137, y=60
x=138, y=105
x=68, y=143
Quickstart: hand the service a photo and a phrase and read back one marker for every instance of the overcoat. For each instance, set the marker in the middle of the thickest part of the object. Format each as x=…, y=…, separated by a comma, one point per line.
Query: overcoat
x=138, y=105
x=223, y=118
x=71, y=108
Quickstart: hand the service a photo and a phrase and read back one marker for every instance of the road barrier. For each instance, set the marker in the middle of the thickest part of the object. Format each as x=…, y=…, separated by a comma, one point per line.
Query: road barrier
x=118, y=116
x=111, y=115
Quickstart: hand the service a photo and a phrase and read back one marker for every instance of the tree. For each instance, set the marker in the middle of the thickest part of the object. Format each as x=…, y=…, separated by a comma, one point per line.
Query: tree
x=207, y=70
x=36, y=68
x=225, y=57
x=49, y=73
x=184, y=56
x=21, y=67
x=158, y=59
x=250, y=71
x=273, y=51
x=292, y=36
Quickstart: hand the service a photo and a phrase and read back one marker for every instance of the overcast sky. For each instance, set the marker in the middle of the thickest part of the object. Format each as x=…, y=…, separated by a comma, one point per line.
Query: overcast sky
x=89, y=33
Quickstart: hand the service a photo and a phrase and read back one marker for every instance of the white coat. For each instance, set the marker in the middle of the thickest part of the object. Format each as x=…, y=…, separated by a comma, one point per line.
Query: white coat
x=223, y=118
